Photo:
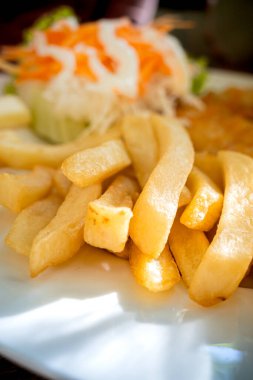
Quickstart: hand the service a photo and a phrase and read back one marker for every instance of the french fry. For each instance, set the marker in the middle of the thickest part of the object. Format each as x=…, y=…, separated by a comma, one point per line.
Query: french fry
x=138, y=134
x=185, y=197
x=188, y=248
x=17, y=191
x=13, y=112
x=93, y=165
x=29, y=222
x=61, y=183
x=210, y=165
x=157, y=204
x=63, y=236
x=154, y=274
x=229, y=255
x=22, y=150
x=107, y=221
x=205, y=208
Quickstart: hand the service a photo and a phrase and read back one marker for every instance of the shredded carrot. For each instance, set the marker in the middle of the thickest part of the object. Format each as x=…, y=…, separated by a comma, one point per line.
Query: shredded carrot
x=33, y=66
x=151, y=60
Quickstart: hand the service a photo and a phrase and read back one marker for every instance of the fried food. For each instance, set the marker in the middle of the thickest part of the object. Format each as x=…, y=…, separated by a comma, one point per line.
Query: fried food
x=210, y=165
x=188, y=248
x=226, y=122
x=93, y=165
x=61, y=183
x=139, y=136
x=154, y=274
x=230, y=253
x=157, y=204
x=17, y=191
x=205, y=207
x=63, y=236
x=21, y=149
x=108, y=217
x=30, y=222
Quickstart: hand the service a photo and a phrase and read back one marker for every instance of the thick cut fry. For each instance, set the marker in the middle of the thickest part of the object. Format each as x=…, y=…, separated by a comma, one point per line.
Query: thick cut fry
x=107, y=221
x=188, y=248
x=29, y=223
x=210, y=165
x=61, y=183
x=185, y=197
x=63, y=236
x=13, y=112
x=229, y=255
x=18, y=191
x=96, y=164
x=138, y=134
x=157, y=204
x=22, y=150
x=205, y=208
x=154, y=274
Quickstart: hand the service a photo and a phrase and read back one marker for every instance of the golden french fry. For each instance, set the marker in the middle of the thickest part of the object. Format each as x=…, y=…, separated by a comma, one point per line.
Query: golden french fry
x=188, y=248
x=205, y=207
x=157, y=204
x=210, y=165
x=229, y=255
x=21, y=149
x=107, y=221
x=61, y=183
x=18, y=191
x=93, y=165
x=63, y=236
x=13, y=112
x=138, y=134
x=29, y=223
x=154, y=274
x=185, y=197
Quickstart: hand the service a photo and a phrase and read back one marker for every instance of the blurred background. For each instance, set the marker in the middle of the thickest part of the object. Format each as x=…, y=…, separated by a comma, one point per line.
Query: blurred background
x=222, y=32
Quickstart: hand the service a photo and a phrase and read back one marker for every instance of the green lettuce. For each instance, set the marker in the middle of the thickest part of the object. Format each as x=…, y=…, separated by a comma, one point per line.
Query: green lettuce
x=199, y=79
x=47, y=20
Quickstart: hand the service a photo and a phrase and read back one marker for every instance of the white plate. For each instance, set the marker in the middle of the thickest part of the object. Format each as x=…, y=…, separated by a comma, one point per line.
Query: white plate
x=89, y=320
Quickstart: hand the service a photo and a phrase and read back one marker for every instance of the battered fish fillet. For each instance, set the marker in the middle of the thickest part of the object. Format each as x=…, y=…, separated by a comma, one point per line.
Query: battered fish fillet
x=226, y=121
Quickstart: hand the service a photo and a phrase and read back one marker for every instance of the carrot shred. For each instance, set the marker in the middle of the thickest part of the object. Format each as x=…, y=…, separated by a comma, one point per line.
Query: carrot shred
x=33, y=66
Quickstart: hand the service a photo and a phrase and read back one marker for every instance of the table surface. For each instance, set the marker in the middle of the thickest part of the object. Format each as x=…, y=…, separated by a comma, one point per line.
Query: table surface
x=10, y=371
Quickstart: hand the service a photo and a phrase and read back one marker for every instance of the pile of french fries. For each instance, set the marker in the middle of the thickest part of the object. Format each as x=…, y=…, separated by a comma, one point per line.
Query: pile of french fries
x=140, y=192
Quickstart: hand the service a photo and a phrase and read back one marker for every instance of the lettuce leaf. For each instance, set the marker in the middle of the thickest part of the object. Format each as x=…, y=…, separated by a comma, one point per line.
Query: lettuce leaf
x=199, y=79
x=47, y=20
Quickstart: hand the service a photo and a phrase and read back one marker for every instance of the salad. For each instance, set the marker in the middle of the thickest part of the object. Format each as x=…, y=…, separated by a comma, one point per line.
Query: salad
x=82, y=77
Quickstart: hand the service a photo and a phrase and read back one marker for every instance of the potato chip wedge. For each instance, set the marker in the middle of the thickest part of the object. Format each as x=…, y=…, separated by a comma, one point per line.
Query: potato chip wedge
x=29, y=222
x=21, y=149
x=63, y=236
x=205, y=208
x=93, y=165
x=17, y=191
x=138, y=134
x=210, y=165
x=107, y=221
x=157, y=204
x=13, y=112
x=188, y=248
x=154, y=274
x=229, y=255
